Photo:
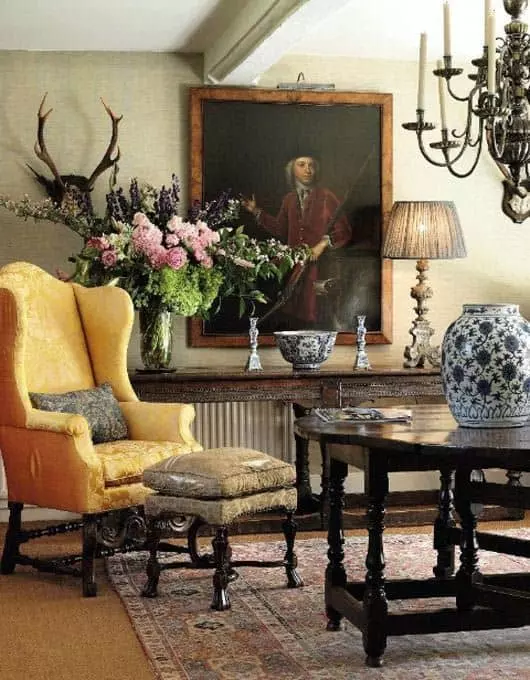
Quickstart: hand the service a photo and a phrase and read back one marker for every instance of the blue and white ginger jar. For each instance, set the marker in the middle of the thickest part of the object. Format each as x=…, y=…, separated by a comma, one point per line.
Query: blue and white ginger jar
x=486, y=366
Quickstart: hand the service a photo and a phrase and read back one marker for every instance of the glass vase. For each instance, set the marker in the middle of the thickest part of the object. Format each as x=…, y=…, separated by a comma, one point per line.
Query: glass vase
x=156, y=338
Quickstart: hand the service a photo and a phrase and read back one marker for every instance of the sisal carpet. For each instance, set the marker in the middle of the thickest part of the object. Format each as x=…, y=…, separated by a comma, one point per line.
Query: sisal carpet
x=276, y=633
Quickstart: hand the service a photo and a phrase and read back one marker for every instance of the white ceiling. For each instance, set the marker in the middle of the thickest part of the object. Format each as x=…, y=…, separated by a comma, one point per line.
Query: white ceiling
x=386, y=29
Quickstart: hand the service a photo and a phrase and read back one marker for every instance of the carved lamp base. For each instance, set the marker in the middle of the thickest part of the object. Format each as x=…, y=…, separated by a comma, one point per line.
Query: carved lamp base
x=421, y=349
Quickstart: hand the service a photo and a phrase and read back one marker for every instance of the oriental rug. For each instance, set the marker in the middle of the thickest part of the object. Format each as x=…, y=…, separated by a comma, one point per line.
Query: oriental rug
x=274, y=633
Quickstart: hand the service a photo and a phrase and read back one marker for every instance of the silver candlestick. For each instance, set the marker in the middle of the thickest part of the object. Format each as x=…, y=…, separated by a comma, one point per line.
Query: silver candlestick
x=361, y=358
x=253, y=361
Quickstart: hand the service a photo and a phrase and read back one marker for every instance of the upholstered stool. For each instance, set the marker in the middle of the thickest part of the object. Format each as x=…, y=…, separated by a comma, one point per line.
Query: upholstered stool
x=216, y=486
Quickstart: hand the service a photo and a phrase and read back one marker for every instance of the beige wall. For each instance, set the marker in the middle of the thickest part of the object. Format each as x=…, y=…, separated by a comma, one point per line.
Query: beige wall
x=150, y=90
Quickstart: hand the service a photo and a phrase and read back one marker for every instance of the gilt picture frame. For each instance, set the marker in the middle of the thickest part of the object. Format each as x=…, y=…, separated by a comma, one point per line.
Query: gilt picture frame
x=241, y=140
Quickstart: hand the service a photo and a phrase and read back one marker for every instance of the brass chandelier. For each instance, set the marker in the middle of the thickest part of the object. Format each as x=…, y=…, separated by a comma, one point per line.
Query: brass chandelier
x=497, y=106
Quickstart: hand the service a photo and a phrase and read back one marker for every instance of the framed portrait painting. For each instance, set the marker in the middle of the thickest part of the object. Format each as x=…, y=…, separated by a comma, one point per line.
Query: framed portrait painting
x=308, y=166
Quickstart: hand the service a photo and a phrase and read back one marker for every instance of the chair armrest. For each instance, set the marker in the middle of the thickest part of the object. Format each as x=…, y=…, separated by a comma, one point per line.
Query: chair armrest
x=51, y=462
x=150, y=421
x=54, y=421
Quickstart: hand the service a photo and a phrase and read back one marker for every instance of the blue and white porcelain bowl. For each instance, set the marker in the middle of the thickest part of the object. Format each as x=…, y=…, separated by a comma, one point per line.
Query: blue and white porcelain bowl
x=305, y=350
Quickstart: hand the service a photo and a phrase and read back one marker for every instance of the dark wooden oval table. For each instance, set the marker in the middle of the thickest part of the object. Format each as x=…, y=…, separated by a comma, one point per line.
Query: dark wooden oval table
x=431, y=441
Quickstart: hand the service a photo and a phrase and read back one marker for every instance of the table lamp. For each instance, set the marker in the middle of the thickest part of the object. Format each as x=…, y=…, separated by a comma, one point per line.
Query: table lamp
x=422, y=231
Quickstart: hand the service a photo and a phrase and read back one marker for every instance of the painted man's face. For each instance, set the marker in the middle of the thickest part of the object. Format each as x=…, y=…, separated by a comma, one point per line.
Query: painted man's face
x=304, y=169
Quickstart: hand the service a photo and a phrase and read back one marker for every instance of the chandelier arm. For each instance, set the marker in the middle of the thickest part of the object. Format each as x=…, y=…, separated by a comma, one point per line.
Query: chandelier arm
x=425, y=154
x=453, y=94
x=468, y=140
x=472, y=168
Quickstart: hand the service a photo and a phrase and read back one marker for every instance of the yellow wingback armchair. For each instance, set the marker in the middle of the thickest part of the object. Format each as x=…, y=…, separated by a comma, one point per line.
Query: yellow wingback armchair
x=59, y=337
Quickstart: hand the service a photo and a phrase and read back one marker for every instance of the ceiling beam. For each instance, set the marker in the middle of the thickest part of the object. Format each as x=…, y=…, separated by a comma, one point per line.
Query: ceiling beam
x=260, y=36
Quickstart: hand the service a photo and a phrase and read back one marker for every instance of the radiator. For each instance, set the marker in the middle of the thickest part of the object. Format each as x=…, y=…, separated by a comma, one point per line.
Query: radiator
x=263, y=425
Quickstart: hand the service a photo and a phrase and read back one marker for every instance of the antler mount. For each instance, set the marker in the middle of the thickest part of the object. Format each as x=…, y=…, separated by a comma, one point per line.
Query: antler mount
x=57, y=187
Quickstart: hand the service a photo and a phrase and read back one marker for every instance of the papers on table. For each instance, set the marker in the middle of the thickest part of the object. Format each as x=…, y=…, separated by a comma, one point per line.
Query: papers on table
x=358, y=414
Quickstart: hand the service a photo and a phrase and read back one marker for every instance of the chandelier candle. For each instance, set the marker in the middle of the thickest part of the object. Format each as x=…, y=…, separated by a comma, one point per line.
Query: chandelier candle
x=487, y=12
x=421, y=71
x=491, y=53
x=447, y=29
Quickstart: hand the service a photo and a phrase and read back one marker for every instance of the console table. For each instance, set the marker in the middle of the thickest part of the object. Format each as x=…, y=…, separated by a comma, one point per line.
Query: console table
x=332, y=387
x=329, y=386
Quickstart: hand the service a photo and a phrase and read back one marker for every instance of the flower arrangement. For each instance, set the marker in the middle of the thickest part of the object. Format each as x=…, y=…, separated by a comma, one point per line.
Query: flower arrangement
x=160, y=259
x=248, y=265
x=188, y=267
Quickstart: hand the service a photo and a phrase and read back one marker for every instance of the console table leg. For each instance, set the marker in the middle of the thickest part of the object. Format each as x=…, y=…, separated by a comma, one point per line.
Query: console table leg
x=514, y=479
x=445, y=561
x=468, y=573
x=335, y=572
x=307, y=501
x=374, y=602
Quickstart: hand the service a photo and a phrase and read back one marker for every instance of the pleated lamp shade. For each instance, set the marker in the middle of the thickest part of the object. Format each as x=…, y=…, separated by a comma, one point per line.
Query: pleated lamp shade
x=424, y=230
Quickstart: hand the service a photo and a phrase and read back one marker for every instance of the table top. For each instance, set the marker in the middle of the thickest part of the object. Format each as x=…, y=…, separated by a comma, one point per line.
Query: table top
x=432, y=432
x=214, y=371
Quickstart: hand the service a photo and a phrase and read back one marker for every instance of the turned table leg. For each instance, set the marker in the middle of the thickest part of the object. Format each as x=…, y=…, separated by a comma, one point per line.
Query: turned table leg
x=375, y=604
x=468, y=574
x=444, y=522
x=335, y=572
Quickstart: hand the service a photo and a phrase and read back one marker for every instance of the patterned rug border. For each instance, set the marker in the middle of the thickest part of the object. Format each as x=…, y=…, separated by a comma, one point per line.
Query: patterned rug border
x=290, y=624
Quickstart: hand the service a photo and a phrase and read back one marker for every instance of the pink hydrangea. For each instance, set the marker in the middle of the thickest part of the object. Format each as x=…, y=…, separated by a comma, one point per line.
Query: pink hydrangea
x=146, y=238
x=172, y=240
x=157, y=256
x=176, y=257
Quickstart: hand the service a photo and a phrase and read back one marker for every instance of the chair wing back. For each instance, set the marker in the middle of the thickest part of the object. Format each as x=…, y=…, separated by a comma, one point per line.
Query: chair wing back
x=107, y=315
x=42, y=341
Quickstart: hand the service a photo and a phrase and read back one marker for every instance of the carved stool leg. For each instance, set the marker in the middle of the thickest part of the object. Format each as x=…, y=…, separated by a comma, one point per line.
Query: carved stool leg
x=294, y=580
x=335, y=572
x=468, y=573
x=221, y=551
x=445, y=561
x=375, y=604
x=88, y=564
x=153, y=565
x=12, y=539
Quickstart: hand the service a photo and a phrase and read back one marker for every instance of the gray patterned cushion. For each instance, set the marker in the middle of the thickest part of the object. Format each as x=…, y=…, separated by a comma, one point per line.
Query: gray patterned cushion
x=98, y=405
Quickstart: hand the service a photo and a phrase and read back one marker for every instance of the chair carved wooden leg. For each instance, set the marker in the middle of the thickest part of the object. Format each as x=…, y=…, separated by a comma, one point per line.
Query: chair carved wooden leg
x=12, y=539
x=221, y=551
x=294, y=580
x=153, y=568
x=88, y=564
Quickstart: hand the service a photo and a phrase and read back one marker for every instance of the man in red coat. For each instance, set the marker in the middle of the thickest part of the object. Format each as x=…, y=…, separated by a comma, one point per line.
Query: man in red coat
x=307, y=215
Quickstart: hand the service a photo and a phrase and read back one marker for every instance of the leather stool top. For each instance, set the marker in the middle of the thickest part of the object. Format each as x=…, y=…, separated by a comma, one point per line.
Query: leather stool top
x=225, y=472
